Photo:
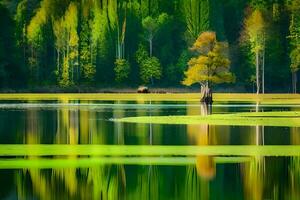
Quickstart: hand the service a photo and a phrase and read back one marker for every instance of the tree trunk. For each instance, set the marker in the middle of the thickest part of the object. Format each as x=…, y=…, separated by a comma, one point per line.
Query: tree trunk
x=150, y=46
x=263, y=72
x=58, y=62
x=257, y=74
x=206, y=95
x=294, y=82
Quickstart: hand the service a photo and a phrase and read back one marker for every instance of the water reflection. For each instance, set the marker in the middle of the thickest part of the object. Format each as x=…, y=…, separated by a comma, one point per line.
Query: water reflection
x=206, y=177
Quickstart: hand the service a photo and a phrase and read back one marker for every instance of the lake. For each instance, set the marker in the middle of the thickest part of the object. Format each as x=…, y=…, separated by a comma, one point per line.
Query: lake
x=75, y=148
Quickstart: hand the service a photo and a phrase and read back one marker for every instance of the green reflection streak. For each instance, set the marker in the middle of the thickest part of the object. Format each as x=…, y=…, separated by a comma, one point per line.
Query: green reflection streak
x=284, y=119
x=47, y=163
x=148, y=150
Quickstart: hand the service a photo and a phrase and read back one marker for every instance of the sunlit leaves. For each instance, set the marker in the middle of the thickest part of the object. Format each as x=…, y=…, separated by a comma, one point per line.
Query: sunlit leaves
x=67, y=39
x=205, y=42
x=211, y=64
x=34, y=30
x=295, y=59
x=150, y=69
x=255, y=28
x=294, y=36
x=122, y=70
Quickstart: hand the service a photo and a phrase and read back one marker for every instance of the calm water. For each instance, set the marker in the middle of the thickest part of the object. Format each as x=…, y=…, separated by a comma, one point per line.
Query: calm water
x=146, y=177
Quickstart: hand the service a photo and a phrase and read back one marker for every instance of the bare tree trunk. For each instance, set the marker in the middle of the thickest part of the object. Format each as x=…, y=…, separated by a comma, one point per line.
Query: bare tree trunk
x=206, y=94
x=58, y=64
x=294, y=82
x=150, y=53
x=150, y=46
x=257, y=74
x=263, y=72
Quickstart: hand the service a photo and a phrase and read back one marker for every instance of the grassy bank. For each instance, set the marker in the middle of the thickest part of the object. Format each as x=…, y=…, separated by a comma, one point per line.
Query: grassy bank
x=221, y=97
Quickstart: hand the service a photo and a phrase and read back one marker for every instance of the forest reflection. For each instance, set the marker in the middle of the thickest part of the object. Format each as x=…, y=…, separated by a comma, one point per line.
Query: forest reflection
x=259, y=178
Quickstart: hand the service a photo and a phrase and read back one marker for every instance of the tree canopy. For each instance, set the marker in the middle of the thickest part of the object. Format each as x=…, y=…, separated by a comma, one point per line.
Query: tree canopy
x=210, y=65
x=72, y=43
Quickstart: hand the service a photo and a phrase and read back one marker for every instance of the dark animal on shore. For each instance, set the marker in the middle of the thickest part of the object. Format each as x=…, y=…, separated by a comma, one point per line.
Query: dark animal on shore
x=143, y=89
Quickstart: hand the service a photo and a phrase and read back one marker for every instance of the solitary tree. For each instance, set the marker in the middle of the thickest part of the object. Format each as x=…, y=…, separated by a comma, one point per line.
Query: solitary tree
x=254, y=34
x=209, y=66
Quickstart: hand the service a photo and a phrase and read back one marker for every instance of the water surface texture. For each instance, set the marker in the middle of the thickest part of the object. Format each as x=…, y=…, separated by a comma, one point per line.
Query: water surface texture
x=75, y=149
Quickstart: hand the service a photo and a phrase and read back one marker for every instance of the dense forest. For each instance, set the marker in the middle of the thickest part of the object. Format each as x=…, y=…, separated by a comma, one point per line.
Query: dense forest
x=100, y=43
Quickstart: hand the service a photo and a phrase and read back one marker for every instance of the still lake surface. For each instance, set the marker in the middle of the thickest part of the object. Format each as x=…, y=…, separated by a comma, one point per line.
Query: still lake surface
x=89, y=175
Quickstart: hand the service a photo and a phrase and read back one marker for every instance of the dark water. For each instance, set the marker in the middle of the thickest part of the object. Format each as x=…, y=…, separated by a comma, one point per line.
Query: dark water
x=196, y=177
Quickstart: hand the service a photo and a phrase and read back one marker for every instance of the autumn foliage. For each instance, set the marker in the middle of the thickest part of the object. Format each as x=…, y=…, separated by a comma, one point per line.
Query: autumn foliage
x=210, y=64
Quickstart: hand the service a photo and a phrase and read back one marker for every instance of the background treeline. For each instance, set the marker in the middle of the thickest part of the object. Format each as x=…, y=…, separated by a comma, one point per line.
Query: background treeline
x=99, y=43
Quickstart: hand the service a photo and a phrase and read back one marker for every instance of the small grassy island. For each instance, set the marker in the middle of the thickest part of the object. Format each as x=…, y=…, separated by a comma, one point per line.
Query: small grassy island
x=286, y=119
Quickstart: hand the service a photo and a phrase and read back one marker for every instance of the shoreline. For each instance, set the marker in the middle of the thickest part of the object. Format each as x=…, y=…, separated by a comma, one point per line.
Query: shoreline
x=187, y=97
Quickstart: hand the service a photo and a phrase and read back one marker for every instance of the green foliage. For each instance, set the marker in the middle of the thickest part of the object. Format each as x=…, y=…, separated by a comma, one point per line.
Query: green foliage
x=295, y=59
x=294, y=35
x=141, y=54
x=65, y=77
x=8, y=60
x=150, y=69
x=122, y=70
x=175, y=72
x=87, y=68
x=34, y=29
x=80, y=40
x=255, y=31
x=151, y=26
x=196, y=15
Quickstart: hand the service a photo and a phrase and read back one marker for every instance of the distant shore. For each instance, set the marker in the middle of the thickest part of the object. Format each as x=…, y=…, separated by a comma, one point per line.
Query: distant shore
x=109, y=89
x=276, y=99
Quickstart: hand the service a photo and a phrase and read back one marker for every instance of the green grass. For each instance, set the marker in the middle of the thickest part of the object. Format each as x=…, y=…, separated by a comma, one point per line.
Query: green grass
x=285, y=119
x=221, y=97
x=147, y=150
x=47, y=163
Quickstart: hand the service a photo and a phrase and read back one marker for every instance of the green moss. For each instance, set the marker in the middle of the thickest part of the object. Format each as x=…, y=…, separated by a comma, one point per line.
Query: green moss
x=286, y=119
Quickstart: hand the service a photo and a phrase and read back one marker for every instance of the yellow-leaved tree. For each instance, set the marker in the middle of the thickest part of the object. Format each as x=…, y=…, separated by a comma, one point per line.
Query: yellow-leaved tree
x=210, y=65
x=255, y=34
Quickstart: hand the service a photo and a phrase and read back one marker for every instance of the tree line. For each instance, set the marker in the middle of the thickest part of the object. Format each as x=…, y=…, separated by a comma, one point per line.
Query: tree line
x=98, y=43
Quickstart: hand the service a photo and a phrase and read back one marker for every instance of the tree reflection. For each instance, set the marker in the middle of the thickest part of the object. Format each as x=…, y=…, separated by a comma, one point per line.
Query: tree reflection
x=88, y=126
x=294, y=167
x=101, y=182
x=198, y=177
x=254, y=171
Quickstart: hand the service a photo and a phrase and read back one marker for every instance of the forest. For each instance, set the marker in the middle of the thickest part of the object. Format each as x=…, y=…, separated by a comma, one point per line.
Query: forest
x=127, y=43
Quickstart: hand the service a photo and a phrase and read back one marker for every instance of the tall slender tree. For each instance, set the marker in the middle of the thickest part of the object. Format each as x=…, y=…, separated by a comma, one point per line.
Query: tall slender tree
x=255, y=33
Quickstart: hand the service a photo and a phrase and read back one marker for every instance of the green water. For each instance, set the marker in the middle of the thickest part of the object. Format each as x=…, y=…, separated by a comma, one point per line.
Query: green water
x=77, y=150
